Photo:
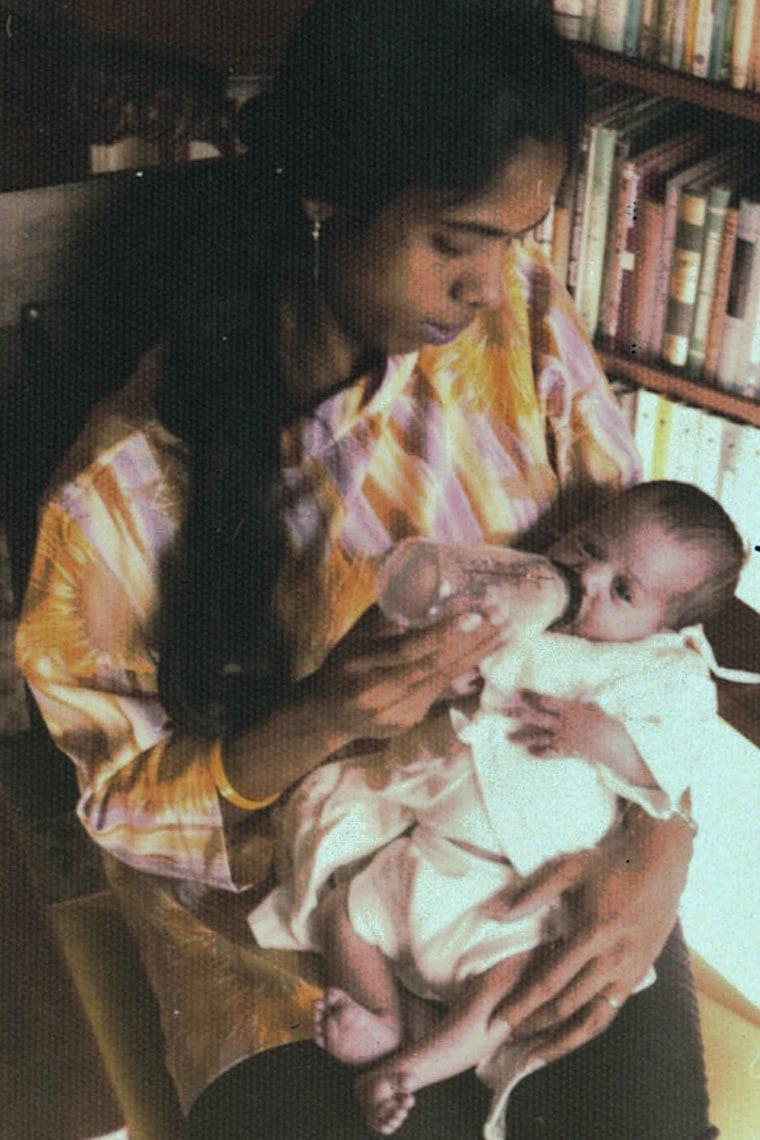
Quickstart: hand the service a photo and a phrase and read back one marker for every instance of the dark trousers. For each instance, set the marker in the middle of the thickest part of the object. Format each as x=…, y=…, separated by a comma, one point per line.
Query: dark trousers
x=643, y=1079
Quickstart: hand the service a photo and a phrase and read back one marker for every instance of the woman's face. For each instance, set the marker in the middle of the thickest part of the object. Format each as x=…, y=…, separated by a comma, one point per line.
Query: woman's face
x=420, y=271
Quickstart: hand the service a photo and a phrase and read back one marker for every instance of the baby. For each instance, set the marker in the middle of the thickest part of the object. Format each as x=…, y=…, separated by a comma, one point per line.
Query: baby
x=398, y=869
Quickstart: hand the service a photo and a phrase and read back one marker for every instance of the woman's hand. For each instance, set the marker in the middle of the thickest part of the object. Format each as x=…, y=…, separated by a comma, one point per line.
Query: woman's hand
x=621, y=901
x=378, y=681
x=381, y=680
x=555, y=726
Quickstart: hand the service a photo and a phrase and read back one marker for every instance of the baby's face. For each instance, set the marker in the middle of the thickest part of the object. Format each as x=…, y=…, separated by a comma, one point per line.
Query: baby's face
x=630, y=569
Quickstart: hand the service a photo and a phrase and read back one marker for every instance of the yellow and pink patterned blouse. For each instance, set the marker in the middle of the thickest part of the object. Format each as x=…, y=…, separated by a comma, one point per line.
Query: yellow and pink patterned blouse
x=464, y=443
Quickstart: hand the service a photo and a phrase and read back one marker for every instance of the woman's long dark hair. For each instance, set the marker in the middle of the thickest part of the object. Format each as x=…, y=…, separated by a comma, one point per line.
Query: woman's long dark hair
x=376, y=98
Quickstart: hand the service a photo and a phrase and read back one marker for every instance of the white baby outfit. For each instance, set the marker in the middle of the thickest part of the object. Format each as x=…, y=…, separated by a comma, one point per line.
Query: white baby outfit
x=393, y=823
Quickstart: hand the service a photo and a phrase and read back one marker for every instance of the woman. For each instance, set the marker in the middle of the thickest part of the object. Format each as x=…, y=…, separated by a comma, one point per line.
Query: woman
x=367, y=351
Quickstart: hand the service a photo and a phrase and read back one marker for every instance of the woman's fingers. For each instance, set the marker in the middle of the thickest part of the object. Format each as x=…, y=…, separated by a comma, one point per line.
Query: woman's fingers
x=584, y=983
x=588, y=1022
x=547, y=885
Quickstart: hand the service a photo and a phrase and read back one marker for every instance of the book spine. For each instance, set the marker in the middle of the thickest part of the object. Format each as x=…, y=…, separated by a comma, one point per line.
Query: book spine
x=742, y=43
x=568, y=15
x=720, y=300
x=645, y=429
x=706, y=473
x=711, y=245
x=679, y=34
x=587, y=20
x=661, y=444
x=720, y=17
x=619, y=258
x=667, y=16
x=745, y=267
x=581, y=176
x=702, y=38
x=647, y=262
x=561, y=241
x=648, y=29
x=726, y=59
x=684, y=276
x=592, y=261
x=683, y=443
x=609, y=24
x=632, y=28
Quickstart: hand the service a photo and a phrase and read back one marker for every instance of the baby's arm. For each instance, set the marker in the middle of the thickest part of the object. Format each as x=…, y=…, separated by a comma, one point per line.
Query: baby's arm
x=554, y=726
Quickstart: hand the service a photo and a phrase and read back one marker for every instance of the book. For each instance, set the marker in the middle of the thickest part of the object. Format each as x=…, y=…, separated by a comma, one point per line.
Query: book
x=684, y=276
x=600, y=98
x=568, y=17
x=661, y=278
x=718, y=202
x=587, y=20
x=740, y=496
x=707, y=469
x=645, y=429
x=616, y=136
x=632, y=28
x=671, y=32
x=753, y=79
x=610, y=24
x=741, y=45
x=560, y=252
x=719, y=25
x=648, y=45
x=699, y=29
x=639, y=177
x=661, y=442
x=683, y=443
x=610, y=102
x=743, y=302
x=650, y=214
x=726, y=59
x=718, y=307
x=686, y=263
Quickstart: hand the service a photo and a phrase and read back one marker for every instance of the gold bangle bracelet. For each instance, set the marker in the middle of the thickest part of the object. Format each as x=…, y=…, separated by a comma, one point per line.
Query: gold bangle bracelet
x=225, y=788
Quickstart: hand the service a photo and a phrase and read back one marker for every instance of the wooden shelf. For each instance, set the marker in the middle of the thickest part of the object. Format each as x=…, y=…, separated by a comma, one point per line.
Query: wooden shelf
x=681, y=387
x=704, y=93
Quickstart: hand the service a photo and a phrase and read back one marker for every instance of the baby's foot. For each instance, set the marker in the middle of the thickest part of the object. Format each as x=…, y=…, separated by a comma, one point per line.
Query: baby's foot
x=385, y=1097
x=352, y=1033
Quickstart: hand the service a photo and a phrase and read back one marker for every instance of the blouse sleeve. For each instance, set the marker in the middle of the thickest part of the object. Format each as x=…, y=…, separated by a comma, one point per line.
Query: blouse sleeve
x=84, y=646
x=591, y=441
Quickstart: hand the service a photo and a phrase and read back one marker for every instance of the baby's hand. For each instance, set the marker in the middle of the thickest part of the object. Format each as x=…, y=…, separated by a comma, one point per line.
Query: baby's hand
x=555, y=726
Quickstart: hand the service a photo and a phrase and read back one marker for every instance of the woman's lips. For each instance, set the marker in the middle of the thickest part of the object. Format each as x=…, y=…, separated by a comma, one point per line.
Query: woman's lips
x=440, y=334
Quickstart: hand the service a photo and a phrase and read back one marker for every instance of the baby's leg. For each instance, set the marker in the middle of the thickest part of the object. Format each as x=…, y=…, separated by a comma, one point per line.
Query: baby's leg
x=462, y=1038
x=359, y=1018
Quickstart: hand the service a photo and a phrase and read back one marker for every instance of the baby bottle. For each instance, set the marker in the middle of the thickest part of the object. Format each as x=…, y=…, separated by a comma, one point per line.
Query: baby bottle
x=419, y=581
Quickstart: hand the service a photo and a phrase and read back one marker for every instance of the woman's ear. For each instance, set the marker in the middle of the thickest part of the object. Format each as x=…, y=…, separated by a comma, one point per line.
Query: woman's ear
x=317, y=210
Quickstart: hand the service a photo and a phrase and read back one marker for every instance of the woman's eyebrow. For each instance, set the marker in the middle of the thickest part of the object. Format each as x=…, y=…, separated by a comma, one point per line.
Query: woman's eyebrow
x=483, y=229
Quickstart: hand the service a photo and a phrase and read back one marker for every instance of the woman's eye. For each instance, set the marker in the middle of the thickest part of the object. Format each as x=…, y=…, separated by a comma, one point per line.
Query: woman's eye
x=447, y=247
x=588, y=547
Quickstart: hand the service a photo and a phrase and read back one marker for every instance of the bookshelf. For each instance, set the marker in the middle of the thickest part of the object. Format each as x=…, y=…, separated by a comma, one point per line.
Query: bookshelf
x=679, y=387
x=739, y=112
x=704, y=93
x=736, y=637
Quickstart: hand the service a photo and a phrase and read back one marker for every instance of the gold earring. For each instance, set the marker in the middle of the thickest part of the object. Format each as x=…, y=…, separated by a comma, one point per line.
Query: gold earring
x=316, y=230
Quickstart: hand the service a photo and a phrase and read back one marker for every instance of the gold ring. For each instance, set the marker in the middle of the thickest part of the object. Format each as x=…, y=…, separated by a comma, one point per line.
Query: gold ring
x=613, y=1001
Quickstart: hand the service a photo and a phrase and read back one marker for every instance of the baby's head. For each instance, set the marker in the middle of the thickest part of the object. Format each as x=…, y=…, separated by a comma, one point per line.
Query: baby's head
x=659, y=556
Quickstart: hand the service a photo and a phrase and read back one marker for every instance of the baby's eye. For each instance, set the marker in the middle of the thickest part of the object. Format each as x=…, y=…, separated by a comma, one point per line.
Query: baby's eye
x=623, y=591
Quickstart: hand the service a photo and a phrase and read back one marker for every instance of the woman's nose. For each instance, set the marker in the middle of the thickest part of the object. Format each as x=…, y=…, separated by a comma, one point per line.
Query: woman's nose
x=482, y=287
